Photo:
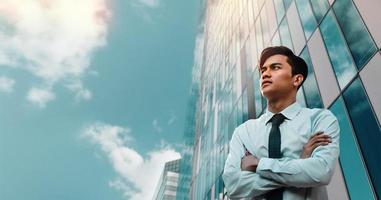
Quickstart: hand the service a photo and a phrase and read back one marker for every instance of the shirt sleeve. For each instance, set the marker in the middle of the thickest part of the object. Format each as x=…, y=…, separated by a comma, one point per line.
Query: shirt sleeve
x=314, y=171
x=243, y=184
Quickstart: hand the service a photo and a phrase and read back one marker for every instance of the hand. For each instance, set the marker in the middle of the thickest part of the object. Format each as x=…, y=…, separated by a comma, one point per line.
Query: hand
x=318, y=139
x=249, y=162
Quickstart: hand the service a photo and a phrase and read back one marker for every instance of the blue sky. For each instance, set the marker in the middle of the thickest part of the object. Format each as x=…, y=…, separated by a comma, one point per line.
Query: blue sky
x=93, y=95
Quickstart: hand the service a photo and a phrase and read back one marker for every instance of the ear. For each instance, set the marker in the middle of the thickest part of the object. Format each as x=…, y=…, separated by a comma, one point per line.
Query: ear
x=298, y=79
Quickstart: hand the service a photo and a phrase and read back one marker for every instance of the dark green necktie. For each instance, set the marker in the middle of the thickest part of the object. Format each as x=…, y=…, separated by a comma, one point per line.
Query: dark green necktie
x=274, y=137
x=274, y=150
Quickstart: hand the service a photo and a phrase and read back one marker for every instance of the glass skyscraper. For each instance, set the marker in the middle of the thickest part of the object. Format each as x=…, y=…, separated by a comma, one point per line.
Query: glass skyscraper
x=340, y=41
x=168, y=182
x=185, y=175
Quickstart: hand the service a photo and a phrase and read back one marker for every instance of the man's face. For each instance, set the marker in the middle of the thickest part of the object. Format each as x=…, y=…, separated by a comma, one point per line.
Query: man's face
x=276, y=77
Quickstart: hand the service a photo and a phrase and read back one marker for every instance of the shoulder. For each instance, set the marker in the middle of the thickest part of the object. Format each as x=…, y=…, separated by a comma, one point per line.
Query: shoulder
x=320, y=114
x=321, y=117
x=250, y=125
x=317, y=113
x=243, y=127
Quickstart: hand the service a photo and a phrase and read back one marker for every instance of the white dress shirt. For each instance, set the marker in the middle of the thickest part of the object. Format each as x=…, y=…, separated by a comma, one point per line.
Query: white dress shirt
x=301, y=178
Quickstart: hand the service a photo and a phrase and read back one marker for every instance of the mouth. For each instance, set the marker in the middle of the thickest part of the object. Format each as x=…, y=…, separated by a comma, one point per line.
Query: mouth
x=264, y=83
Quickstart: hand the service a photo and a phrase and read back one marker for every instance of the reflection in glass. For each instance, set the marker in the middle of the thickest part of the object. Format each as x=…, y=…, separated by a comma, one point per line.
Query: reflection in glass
x=358, y=38
x=239, y=112
x=257, y=93
x=307, y=17
x=249, y=59
x=259, y=36
x=232, y=122
x=350, y=157
x=300, y=97
x=367, y=129
x=338, y=52
x=245, y=22
x=245, y=111
x=285, y=34
x=276, y=39
x=320, y=7
x=264, y=104
x=253, y=47
x=265, y=27
x=311, y=90
x=279, y=9
x=287, y=3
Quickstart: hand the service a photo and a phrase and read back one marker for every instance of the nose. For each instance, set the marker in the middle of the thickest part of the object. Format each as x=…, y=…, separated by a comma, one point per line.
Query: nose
x=265, y=74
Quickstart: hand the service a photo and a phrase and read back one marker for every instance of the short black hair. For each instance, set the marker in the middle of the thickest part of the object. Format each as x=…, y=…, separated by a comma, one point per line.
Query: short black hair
x=298, y=65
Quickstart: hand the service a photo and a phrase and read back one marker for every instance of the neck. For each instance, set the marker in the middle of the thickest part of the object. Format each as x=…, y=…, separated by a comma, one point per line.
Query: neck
x=277, y=105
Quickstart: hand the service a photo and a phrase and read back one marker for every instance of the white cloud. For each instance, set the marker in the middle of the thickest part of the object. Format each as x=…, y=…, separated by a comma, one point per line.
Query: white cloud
x=137, y=176
x=81, y=92
x=6, y=84
x=40, y=96
x=52, y=39
x=156, y=126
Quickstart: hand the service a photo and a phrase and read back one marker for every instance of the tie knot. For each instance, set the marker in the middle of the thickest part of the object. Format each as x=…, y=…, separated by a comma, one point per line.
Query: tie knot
x=277, y=119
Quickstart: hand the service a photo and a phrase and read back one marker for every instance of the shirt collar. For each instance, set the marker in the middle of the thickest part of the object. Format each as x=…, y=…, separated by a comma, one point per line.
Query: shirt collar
x=289, y=112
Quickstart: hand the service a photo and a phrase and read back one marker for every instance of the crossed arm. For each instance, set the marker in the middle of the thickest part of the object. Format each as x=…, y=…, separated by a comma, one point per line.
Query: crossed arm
x=251, y=177
x=241, y=183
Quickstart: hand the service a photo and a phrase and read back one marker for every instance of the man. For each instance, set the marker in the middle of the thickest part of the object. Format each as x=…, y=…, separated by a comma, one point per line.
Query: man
x=289, y=152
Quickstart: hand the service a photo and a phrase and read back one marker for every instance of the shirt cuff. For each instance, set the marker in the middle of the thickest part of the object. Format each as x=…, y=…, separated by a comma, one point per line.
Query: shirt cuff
x=264, y=164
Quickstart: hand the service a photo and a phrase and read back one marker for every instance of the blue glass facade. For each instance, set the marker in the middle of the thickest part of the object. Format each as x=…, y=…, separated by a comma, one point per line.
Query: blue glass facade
x=237, y=31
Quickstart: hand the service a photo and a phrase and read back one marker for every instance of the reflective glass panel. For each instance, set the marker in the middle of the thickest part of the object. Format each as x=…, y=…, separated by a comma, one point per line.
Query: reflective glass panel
x=320, y=7
x=257, y=93
x=265, y=26
x=350, y=156
x=279, y=9
x=259, y=37
x=359, y=40
x=264, y=104
x=300, y=98
x=287, y=3
x=285, y=34
x=245, y=111
x=307, y=17
x=239, y=111
x=276, y=39
x=338, y=52
x=311, y=90
x=367, y=130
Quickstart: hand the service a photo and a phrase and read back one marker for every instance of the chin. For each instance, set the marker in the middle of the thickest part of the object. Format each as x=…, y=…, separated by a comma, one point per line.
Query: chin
x=266, y=92
x=269, y=93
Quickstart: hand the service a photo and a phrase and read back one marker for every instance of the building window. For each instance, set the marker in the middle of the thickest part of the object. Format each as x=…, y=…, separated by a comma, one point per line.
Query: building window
x=340, y=57
x=350, y=156
x=300, y=98
x=310, y=86
x=367, y=129
x=279, y=9
x=276, y=39
x=359, y=40
x=245, y=111
x=257, y=93
x=259, y=36
x=287, y=3
x=285, y=34
x=307, y=17
x=320, y=7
